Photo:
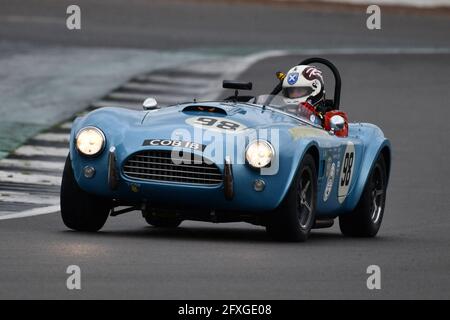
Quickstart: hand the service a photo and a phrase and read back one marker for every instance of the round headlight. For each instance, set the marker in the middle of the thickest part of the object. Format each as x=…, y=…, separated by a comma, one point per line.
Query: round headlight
x=90, y=141
x=259, y=153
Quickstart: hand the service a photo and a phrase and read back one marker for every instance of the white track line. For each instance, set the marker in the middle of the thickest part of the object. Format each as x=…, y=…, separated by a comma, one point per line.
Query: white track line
x=139, y=97
x=137, y=106
x=25, y=197
x=83, y=113
x=141, y=87
x=19, y=177
x=29, y=213
x=66, y=125
x=53, y=137
x=32, y=164
x=172, y=81
x=352, y=51
x=116, y=104
x=28, y=150
x=166, y=100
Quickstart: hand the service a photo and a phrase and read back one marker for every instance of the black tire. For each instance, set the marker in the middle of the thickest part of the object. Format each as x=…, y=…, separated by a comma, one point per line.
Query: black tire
x=80, y=210
x=163, y=222
x=365, y=220
x=293, y=221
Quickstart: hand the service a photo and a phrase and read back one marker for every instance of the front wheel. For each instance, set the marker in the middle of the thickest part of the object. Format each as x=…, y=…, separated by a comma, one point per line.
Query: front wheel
x=365, y=220
x=81, y=211
x=293, y=220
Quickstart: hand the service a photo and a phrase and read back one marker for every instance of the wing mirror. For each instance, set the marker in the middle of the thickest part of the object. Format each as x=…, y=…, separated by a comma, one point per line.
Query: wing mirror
x=150, y=103
x=337, y=123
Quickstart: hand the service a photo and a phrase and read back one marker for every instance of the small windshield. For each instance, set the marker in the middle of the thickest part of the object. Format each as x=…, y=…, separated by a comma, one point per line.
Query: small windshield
x=271, y=100
x=280, y=103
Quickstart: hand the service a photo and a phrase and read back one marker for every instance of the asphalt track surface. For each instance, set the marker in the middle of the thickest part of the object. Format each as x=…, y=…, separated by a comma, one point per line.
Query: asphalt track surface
x=213, y=25
x=405, y=94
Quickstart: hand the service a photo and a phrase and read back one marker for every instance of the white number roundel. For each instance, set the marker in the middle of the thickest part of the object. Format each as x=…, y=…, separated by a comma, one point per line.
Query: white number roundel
x=347, y=169
x=215, y=124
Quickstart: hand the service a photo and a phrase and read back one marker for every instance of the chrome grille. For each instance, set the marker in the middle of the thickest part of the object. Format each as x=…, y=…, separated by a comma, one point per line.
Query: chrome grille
x=159, y=165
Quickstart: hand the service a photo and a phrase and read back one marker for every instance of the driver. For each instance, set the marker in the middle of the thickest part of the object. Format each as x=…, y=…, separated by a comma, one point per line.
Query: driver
x=304, y=87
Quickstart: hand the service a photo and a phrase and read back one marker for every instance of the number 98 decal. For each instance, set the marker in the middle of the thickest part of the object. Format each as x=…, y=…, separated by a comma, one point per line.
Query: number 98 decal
x=215, y=123
x=347, y=169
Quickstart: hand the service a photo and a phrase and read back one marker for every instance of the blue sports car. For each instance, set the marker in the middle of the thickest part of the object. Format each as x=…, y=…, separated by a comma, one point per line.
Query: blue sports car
x=245, y=158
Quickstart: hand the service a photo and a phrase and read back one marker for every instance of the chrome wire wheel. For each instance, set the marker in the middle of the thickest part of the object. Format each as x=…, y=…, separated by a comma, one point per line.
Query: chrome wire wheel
x=305, y=196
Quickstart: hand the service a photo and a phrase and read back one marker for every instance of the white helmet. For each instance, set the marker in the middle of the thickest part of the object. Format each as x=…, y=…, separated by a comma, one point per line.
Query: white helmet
x=303, y=83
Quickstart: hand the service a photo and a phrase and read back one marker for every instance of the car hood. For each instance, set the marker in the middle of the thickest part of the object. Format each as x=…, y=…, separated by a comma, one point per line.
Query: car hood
x=237, y=116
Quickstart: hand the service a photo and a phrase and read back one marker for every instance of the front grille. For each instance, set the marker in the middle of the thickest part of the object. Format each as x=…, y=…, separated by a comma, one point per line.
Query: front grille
x=158, y=165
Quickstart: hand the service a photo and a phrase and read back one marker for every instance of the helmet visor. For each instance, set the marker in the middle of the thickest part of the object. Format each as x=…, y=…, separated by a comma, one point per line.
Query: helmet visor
x=297, y=92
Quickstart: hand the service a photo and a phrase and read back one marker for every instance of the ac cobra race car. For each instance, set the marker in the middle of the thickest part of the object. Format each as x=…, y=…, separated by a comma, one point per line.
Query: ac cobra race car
x=244, y=158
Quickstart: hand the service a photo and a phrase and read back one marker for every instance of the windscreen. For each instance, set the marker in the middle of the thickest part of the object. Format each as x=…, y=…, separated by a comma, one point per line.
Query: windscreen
x=280, y=103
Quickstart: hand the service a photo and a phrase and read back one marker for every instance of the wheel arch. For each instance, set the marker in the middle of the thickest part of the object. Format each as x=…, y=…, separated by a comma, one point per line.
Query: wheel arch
x=368, y=162
x=386, y=152
x=310, y=148
x=313, y=150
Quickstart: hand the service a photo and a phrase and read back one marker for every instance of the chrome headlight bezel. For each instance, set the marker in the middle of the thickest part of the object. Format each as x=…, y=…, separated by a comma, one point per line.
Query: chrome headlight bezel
x=264, y=164
x=100, y=148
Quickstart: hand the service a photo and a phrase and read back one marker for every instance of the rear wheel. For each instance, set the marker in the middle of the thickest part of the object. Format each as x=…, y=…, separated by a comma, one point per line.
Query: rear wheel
x=293, y=220
x=80, y=210
x=365, y=220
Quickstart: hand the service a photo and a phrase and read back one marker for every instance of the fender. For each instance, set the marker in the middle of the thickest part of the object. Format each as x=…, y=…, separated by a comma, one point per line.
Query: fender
x=114, y=122
x=302, y=146
x=377, y=144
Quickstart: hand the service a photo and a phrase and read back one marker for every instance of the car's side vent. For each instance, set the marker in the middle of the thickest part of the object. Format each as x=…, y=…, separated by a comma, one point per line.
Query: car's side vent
x=159, y=165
